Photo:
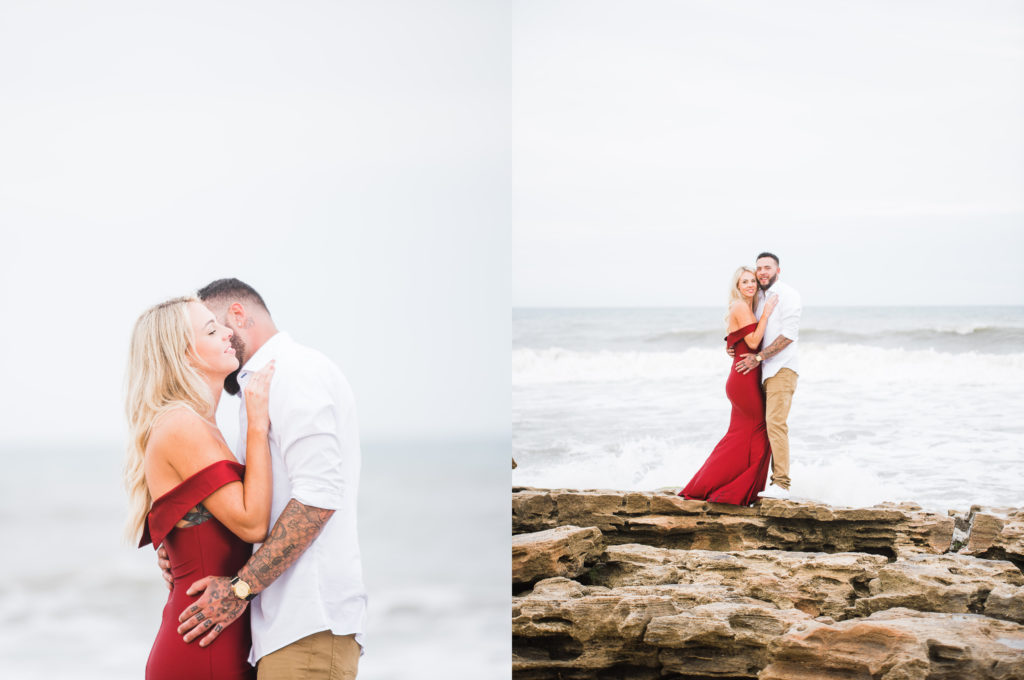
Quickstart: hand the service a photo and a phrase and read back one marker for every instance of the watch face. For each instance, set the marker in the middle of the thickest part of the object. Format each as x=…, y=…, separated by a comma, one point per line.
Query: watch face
x=241, y=589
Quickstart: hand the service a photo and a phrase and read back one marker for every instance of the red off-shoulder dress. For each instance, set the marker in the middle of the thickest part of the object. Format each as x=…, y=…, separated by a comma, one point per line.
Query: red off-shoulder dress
x=206, y=549
x=737, y=469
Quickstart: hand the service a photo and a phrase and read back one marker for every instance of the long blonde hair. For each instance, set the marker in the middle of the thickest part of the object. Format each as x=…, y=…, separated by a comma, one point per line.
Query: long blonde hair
x=159, y=377
x=734, y=290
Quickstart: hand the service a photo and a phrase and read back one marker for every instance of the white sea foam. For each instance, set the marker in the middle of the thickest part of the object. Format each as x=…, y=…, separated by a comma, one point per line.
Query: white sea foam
x=647, y=464
x=530, y=366
x=848, y=362
x=850, y=476
x=864, y=364
x=844, y=481
x=634, y=464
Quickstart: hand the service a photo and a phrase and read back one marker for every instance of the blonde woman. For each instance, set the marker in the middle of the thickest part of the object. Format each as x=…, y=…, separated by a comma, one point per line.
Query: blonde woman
x=737, y=468
x=208, y=508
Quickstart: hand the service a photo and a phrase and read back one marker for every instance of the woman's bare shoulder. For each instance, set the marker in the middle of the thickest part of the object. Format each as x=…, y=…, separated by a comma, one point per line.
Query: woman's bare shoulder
x=183, y=439
x=177, y=422
x=738, y=306
x=740, y=315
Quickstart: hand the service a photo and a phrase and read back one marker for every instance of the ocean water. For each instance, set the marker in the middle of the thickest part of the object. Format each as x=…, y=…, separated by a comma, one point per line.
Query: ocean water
x=77, y=602
x=922, y=404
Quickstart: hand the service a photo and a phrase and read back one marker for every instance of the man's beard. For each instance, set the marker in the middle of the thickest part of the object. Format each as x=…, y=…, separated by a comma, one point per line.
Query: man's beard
x=763, y=286
x=231, y=385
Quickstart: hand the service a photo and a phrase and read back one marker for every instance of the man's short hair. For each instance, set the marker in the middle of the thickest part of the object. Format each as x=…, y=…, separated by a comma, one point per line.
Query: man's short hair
x=765, y=254
x=230, y=290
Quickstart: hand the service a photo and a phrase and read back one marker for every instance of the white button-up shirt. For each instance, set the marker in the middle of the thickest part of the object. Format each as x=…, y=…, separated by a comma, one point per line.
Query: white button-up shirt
x=785, y=321
x=314, y=452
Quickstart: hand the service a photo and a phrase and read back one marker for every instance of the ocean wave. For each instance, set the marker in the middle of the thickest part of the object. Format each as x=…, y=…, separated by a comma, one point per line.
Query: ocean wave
x=948, y=338
x=687, y=336
x=983, y=339
x=649, y=464
x=856, y=475
x=818, y=361
x=555, y=365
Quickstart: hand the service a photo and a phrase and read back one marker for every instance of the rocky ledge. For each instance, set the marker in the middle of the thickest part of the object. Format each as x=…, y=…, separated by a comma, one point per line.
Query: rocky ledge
x=624, y=585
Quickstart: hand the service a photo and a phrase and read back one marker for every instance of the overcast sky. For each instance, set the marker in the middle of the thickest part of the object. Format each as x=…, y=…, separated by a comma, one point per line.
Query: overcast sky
x=876, y=147
x=348, y=160
x=392, y=175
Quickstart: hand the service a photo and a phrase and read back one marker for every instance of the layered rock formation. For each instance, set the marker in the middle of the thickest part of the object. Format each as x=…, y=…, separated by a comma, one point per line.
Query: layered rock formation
x=667, y=521
x=647, y=585
x=562, y=551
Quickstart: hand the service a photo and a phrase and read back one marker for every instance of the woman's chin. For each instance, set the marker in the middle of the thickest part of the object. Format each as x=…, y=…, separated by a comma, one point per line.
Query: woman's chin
x=224, y=371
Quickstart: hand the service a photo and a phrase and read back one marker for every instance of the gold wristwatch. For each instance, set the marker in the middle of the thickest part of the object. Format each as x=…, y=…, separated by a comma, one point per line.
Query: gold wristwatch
x=241, y=589
x=759, y=357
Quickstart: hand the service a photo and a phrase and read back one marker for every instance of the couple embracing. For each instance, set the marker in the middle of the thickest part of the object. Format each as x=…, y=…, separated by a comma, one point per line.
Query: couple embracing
x=764, y=320
x=260, y=551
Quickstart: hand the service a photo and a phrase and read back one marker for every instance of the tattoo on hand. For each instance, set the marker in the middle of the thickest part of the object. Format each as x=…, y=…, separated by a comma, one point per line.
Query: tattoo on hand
x=216, y=609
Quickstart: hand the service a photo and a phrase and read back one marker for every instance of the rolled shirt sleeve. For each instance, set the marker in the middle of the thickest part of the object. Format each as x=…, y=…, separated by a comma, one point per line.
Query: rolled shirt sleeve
x=791, y=308
x=315, y=471
x=306, y=422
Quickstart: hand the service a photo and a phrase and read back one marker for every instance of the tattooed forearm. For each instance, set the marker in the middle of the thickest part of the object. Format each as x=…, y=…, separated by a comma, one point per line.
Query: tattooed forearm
x=295, y=530
x=196, y=515
x=780, y=343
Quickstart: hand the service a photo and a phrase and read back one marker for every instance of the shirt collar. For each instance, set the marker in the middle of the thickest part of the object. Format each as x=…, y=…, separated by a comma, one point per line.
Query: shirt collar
x=269, y=350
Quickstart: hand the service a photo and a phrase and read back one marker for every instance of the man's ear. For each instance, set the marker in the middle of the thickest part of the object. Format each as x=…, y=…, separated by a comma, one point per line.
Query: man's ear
x=236, y=315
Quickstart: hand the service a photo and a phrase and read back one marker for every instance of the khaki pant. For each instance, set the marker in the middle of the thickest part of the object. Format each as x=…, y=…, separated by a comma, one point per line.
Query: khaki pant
x=320, y=656
x=778, y=396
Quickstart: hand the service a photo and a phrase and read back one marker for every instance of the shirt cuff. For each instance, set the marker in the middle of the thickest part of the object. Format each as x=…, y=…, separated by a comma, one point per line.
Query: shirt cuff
x=315, y=470
x=325, y=500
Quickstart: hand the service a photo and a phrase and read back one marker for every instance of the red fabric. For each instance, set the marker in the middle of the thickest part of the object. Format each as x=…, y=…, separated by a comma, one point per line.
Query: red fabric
x=207, y=549
x=737, y=469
